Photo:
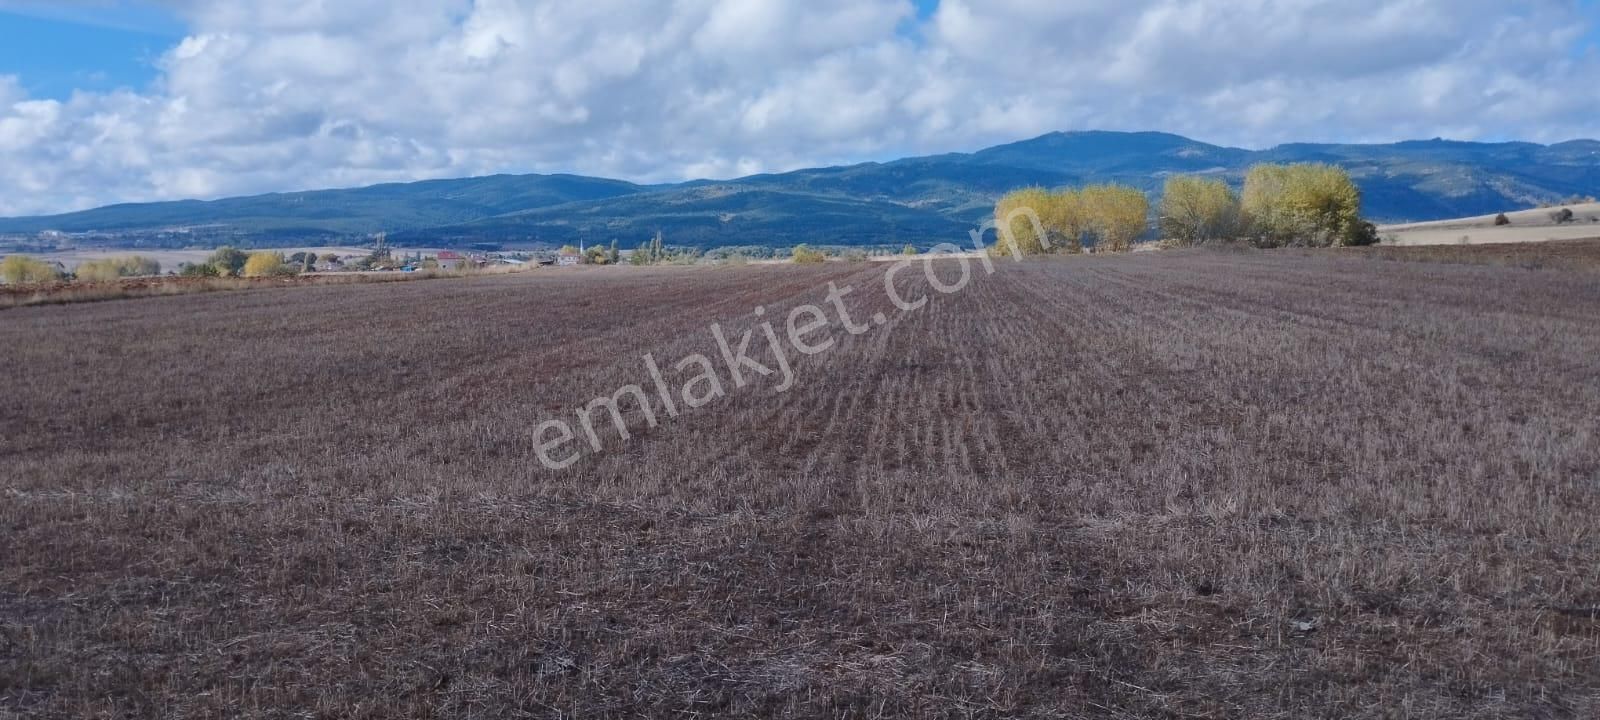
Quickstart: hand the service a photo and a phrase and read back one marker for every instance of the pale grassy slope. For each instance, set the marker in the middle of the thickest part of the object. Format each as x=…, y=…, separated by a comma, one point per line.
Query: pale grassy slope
x=1526, y=226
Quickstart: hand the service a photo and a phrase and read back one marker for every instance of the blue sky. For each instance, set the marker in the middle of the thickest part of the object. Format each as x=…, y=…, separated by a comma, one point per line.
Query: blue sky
x=1591, y=42
x=55, y=49
x=133, y=100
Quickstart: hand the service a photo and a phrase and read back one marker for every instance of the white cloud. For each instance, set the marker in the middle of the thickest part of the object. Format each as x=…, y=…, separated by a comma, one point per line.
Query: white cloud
x=293, y=94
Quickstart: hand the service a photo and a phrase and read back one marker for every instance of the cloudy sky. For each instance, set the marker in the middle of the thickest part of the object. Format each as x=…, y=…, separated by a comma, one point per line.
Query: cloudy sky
x=120, y=100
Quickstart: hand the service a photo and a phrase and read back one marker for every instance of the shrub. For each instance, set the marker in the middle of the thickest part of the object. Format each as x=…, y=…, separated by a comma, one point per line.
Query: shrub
x=1305, y=204
x=198, y=270
x=1017, y=232
x=855, y=255
x=112, y=268
x=1116, y=214
x=1196, y=210
x=138, y=266
x=228, y=261
x=1501, y=220
x=98, y=271
x=303, y=261
x=264, y=264
x=656, y=251
x=804, y=254
x=1562, y=216
x=602, y=255
x=1061, y=217
x=909, y=249
x=19, y=269
x=1360, y=234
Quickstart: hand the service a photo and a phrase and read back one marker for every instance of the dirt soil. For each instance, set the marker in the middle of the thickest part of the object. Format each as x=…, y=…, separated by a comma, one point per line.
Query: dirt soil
x=1187, y=484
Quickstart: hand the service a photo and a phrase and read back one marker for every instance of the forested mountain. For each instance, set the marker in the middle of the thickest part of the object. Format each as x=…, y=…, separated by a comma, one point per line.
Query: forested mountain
x=920, y=199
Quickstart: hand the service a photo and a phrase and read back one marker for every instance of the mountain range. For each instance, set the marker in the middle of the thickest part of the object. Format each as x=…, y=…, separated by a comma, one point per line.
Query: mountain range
x=919, y=199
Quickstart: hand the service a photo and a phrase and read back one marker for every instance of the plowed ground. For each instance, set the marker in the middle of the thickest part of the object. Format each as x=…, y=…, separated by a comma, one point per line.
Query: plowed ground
x=1171, y=485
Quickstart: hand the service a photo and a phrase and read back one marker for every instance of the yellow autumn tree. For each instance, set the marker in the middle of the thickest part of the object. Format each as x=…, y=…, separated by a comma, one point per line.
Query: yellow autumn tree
x=98, y=271
x=805, y=255
x=1116, y=214
x=1065, y=221
x=112, y=268
x=1304, y=204
x=1039, y=221
x=1014, y=217
x=1196, y=210
x=19, y=269
x=263, y=264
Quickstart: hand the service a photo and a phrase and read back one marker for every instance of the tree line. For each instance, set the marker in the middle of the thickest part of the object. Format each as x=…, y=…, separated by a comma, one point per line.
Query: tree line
x=21, y=269
x=224, y=262
x=233, y=262
x=1307, y=204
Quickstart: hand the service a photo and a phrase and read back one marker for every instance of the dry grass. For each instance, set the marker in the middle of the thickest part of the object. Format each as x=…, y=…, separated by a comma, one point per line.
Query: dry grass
x=1171, y=485
x=67, y=293
x=1534, y=217
x=1526, y=226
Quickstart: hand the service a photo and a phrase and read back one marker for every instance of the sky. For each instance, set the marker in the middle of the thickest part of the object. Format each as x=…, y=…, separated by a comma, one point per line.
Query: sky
x=105, y=101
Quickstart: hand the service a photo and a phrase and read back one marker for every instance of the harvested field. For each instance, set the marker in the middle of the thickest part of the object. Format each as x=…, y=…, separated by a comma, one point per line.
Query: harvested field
x=1579, y=255
x=1277, y=485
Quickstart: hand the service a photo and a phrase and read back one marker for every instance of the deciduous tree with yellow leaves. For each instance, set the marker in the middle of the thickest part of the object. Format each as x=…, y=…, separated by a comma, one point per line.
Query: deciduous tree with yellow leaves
x=19, y=269
x=1305, y=204
x=112, y=268
x=1019, y=222
x=805, y=255
x=1040, y=221
x=1197, y=210
x=1116, y=214
x=264, y=264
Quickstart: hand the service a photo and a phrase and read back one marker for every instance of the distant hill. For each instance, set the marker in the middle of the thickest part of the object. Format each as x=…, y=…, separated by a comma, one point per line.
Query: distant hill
x=915, y=199
x=290, y=217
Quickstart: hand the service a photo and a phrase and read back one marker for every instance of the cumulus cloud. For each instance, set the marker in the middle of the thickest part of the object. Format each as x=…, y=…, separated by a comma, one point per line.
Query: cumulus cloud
x=293, y=94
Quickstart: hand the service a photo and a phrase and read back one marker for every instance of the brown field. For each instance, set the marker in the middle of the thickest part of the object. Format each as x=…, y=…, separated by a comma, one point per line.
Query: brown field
x=1171, y=485
x=1579, y=255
